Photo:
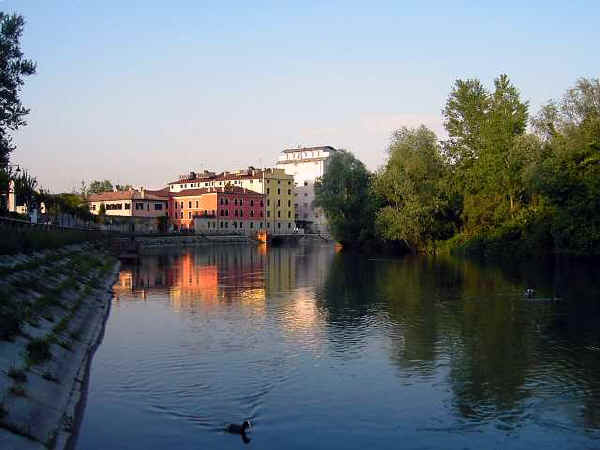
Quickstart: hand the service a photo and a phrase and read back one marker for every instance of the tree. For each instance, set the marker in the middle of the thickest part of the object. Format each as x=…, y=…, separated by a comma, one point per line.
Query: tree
x=97, y=186
x=25, y=186
x=13, y=68
x=484, y=129
x=567, y=176
x=345, y=196
x=417, y=208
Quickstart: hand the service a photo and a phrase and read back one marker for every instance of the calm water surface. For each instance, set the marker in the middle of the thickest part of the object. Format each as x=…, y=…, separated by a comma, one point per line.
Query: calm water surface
x=337, y=351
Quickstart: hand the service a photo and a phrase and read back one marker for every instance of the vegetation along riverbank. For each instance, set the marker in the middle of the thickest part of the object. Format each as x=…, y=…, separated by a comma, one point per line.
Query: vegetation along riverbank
x=52, y=314
x=503, y=182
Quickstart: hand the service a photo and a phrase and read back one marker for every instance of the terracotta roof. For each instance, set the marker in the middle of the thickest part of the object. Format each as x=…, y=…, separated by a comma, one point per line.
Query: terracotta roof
x=213, y=190
x=326, y=148
x=258, y=173
x=161, y=194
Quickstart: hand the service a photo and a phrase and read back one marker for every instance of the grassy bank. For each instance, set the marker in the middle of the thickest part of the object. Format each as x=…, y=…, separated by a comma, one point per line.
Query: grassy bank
x=31, y=239
x=51, y=304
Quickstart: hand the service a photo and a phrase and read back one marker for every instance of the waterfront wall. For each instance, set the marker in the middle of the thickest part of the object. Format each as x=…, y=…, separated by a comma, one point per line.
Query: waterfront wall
x=53, y=315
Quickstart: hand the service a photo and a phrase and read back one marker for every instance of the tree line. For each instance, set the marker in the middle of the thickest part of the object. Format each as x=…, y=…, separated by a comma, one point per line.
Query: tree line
x=503, y=181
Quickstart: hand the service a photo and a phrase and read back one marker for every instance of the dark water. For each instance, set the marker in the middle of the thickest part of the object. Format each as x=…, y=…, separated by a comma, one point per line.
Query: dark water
x=334, y=351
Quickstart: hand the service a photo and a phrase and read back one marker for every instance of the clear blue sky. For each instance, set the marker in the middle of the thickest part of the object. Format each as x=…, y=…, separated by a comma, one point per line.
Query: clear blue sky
x=138, y=92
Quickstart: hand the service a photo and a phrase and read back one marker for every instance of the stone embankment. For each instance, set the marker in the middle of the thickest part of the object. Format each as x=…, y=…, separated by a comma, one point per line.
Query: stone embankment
x=189, y=241
x=53, y=307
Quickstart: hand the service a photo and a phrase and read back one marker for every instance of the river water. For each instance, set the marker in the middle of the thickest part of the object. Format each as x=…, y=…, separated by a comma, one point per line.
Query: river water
x=338, y=351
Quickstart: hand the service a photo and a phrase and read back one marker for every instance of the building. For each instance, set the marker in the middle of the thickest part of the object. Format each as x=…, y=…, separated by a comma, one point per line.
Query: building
x=307, y=165
x=224, y=209
x=274, y=183
x=141, y=209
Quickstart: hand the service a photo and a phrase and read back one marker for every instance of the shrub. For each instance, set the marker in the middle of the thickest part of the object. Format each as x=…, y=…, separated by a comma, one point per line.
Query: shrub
x=38, y=350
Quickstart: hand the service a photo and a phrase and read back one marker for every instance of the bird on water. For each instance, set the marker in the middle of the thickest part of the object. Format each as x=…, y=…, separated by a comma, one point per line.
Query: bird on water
x=242, y=429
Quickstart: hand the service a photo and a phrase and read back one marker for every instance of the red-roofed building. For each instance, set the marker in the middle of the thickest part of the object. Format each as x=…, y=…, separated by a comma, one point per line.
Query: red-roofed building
x=228, y=208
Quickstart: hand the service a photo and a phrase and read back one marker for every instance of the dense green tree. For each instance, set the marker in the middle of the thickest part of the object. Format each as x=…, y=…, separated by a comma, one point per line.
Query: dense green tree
x=417, y=210
x=345, y=196
x=13, y=68
x=484, y=129
x=567, y=175
x=98, y=186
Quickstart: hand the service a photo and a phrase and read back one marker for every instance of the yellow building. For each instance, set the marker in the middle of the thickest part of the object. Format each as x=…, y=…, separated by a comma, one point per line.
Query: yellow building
x=275, y=184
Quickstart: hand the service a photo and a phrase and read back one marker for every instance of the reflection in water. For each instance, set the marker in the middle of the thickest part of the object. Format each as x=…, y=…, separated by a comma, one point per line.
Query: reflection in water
x=357, y=351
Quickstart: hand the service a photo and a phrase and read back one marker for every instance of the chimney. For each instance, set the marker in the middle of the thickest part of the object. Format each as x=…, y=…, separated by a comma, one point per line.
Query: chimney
x=142, y=191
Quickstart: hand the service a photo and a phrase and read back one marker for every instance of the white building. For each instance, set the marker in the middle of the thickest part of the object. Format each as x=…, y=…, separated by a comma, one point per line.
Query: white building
x=307, y=165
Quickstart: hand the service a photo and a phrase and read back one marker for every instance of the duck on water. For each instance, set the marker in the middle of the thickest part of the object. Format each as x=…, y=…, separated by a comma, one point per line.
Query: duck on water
x=242, y=429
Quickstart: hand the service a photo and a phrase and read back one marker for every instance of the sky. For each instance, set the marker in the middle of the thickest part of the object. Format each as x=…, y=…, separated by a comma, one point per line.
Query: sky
x=140, y=92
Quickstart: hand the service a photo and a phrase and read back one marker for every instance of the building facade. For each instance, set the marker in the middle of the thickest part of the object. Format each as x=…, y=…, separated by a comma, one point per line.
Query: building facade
x=307, y=165
x=218, y=210
x=130, y=203
x=274, y=183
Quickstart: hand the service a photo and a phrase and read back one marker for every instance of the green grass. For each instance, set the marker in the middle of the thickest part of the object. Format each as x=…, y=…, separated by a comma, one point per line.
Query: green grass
x=38, y=351
x=47, y=375
x=17, y=374
x=30, y=239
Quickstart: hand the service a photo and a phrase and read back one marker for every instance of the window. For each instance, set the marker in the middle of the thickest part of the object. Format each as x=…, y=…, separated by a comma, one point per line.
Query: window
x=278, y=202
x=226, y=224
x=235, y=201
x=241, y=213
x=181, y=206
x=289, y=203
x=289, y=225
x=278, y=181
x=251, y=224
x=278, y=213
x=278, y=224
x=127, y=205
x=289, y=182
x=241, y=201
x=261, y=224
x=190, y=205
x=306, y=183
x=295, y=205
x=236, y=212
x=261, y=203
x=196, y=203
x=227, y=201
x=289, y=214
x=306, y=194
x=251, y=202
x=268, y=191
x=278, y=191
x=226, y=212
x=189, y=215
x=141, y=205
x=158, y=206
x=221, y=200
x=251, y=213
x=268, y=213
x=289, y=192
x=268, y=202
x=261, y=214
x=221, y=225
x=241, y=224
x=222, y=213
x=305, y=205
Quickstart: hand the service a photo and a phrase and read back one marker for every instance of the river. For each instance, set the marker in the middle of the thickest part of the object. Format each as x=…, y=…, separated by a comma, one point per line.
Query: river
x=339, y=351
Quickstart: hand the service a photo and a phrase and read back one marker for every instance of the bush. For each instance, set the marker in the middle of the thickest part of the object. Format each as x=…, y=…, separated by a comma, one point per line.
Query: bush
x=38, y=350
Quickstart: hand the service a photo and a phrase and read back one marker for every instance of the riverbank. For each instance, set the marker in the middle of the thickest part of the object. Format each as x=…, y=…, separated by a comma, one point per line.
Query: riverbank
x=55, y=304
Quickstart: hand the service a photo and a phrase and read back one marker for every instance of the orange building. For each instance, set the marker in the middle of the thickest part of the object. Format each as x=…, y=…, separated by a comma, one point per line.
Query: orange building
x=219, y=205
